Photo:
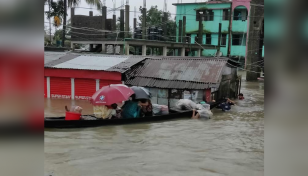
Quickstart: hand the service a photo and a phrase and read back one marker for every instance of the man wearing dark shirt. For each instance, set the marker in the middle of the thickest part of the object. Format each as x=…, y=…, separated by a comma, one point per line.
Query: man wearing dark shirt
x=226, y=106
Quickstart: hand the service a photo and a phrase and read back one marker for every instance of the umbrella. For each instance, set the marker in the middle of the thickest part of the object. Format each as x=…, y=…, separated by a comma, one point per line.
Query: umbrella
x=141, y=92
x=109, y=95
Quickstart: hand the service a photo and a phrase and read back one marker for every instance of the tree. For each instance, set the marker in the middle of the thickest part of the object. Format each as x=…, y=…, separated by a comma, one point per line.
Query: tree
x=154, y=18
x=57, y=12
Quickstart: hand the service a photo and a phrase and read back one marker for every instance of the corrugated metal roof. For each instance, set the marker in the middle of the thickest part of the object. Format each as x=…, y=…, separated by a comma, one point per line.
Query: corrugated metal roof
x=127, y=64
x=113, y=63
x=51, y=56
x=205, y=70
x=152, y=82
x=92, y=62
x=178, y=72
x=60, y=60
x=87, y=62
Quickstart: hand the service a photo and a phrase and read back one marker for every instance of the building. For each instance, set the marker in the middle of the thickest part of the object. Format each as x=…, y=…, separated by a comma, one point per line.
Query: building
x=100, y=34
x=74, y=76
x=233, y=16
x=79, y=76
x=172, y=78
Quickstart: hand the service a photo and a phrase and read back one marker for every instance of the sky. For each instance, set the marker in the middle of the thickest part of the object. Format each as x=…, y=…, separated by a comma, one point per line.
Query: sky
x=133, y=3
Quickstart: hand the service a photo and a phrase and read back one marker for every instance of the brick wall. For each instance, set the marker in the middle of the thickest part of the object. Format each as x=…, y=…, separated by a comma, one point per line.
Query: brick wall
x=92, y=23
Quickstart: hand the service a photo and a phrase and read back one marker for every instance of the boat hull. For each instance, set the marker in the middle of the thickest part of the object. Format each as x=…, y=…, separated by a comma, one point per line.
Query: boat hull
x=60, y=122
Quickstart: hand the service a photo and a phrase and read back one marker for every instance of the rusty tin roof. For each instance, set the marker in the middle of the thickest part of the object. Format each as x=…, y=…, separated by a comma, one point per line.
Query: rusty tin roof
x=179, y=72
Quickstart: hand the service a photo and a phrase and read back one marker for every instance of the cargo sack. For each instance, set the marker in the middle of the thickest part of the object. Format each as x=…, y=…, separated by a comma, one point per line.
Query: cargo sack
x=164, y=110
x=205, y=114
x=185, y=104
x=157, y=109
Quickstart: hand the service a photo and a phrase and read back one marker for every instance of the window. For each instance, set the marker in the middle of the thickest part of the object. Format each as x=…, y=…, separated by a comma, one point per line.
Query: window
x=240, y=14
x=208, y=39
x=223, y=39
x=226, y=14
x=198, y=14
x=238, y=40
x=208, y=15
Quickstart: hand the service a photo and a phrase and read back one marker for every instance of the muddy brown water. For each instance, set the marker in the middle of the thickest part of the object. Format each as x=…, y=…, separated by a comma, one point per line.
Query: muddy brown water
x=231, y=143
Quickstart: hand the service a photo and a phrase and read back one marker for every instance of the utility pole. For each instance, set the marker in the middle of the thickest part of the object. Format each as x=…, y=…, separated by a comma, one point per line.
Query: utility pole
x=184, y=30
x=230, y=32
x=114, y=17
x=254, y=42
x=49, y=2
x=127, y=19
x=64, y=23
x=219, y=38
x=104, y=17
x=165, y=19
x=200, y=37
x=144, y=12
x=122, y=33
x=135, y=21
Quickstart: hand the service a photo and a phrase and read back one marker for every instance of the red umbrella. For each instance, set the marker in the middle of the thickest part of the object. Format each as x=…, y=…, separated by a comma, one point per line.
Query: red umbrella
x=109, y=95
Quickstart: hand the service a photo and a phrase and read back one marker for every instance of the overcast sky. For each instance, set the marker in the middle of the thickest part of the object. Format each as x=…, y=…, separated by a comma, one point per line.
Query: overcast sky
x=132, y=3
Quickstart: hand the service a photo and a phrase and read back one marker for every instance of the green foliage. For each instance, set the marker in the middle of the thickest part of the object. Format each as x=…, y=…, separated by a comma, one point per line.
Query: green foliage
x=154, y=18
x=57, y=9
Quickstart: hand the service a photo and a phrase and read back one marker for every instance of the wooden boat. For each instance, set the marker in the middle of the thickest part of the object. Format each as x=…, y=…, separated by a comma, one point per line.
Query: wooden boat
x=60, y=122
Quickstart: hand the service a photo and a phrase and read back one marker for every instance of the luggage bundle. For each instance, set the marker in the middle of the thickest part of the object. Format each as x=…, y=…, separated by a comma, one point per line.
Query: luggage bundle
x=160, y=109
x=185, y=104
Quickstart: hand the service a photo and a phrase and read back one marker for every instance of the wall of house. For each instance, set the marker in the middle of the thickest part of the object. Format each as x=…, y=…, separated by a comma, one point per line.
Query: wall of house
x=160, y=96
x=212, y=27
x=229, y=83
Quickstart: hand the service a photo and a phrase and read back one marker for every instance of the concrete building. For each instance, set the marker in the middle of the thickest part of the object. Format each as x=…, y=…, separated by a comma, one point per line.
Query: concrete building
x=100, y=34
x=233, y=16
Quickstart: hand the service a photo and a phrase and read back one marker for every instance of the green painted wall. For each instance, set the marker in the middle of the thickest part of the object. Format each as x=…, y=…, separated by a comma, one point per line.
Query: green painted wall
x=192, y=26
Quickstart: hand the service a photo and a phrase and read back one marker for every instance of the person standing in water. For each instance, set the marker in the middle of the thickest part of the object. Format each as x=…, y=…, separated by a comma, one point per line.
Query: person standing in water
x=241, y=96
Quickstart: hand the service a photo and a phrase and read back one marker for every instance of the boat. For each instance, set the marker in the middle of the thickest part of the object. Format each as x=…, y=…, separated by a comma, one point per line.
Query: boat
x=60, y=122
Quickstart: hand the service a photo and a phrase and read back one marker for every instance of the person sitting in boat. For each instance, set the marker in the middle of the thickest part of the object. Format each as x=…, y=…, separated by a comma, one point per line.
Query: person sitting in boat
x=75, y=109
x=115, y=113
x=132, y=108
x=147, y=109
x=226, y=105
x=241, y=96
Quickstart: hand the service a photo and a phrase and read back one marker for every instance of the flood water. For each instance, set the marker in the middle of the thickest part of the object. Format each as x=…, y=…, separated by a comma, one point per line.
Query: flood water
x=231, y=143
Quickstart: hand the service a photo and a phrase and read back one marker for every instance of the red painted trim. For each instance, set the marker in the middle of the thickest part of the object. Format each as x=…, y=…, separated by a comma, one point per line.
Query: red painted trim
x=86, y=74
x=208, y=97
x=45, y=87
x=103, y=83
